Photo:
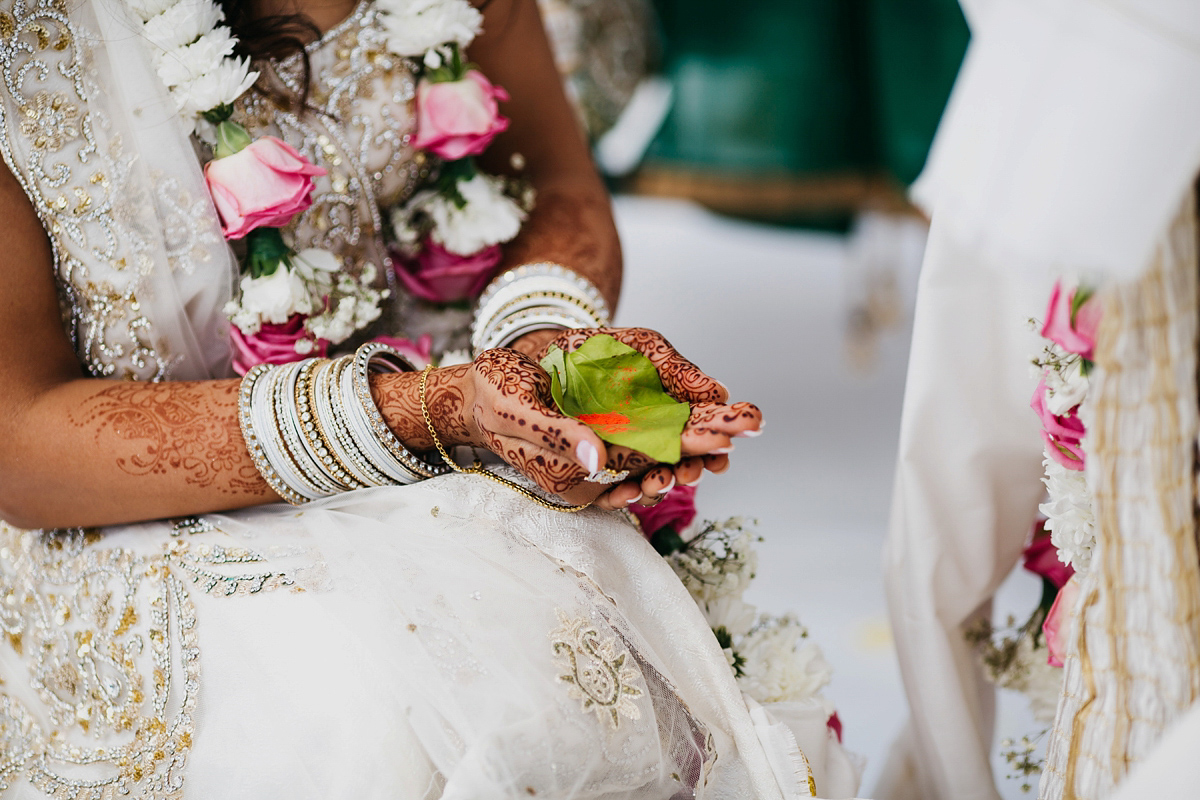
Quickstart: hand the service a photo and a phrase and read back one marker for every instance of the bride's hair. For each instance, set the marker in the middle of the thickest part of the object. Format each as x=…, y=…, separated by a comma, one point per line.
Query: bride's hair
x=274, y=36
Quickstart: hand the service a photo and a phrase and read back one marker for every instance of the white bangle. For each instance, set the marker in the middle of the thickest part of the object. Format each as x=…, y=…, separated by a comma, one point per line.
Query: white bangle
x=542, y=295
x=247, y=394
x=380, y=444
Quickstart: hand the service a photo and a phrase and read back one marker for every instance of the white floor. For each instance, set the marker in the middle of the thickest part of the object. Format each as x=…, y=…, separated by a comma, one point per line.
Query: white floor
x=765, y=310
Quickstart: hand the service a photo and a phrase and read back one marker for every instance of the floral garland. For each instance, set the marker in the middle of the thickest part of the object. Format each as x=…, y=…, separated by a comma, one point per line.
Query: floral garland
x=446, y=238
x=1028, y=658
x=771, y=657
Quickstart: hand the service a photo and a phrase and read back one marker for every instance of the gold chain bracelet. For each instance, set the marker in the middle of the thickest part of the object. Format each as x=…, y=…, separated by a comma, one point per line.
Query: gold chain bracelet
x=477, y=468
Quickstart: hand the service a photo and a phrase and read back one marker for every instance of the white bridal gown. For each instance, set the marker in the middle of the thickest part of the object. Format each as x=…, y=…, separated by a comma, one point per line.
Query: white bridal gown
x=447, y=639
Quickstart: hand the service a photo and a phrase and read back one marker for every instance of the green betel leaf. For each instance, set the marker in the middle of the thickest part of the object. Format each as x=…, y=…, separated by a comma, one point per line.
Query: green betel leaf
x=617, y=392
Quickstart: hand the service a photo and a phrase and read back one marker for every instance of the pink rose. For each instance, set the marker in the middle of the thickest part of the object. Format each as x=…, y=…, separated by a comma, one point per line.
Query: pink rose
x=1075, y=333
x=420, y=352
x=1041, y=557
x=675, y=512
x=1055, y=626
x=1063, y=435
x=439, y=276
x=456, y=119
x=264, y=184
x=273, y=344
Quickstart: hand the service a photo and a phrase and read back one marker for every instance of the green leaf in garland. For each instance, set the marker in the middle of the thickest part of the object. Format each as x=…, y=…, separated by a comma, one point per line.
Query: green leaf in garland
x=265, y=252
x=617, y=392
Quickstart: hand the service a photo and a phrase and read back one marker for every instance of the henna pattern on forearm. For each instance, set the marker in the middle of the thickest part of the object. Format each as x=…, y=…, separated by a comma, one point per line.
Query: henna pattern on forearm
x=572, y=227
x=189, y=428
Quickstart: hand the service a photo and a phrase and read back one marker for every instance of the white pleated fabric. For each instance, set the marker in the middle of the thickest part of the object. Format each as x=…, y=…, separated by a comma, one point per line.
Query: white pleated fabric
x=428, y=641
x=967, y=488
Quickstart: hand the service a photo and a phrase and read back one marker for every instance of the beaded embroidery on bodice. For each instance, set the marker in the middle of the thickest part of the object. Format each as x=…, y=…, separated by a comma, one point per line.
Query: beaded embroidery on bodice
x=358, y=126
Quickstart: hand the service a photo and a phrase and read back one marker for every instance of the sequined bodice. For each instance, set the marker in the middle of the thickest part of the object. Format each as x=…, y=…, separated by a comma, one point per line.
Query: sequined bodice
x=358, y=126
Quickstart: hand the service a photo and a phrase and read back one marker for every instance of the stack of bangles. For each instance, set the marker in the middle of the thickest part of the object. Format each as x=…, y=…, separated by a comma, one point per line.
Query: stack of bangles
x=314, y=430
x=535, y=297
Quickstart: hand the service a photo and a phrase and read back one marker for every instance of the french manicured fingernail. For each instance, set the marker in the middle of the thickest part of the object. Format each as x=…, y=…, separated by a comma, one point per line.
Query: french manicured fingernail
x=668, y=487
x=699, y=478
x=586, y=454
x=723, y=386
x=633, y=500
x=721, y=451
x=748, y=434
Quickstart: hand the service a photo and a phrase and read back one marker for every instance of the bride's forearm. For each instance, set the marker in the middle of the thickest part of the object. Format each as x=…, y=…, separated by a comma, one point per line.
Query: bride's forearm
x=572, y=222
x=96, y=452
x=93, y=452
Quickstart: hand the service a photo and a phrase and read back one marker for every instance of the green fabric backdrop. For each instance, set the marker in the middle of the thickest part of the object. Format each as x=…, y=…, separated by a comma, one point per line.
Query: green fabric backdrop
x=807, y=86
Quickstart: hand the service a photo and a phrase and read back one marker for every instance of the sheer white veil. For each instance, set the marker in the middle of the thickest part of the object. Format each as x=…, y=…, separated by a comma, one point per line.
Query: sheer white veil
x=93, y=137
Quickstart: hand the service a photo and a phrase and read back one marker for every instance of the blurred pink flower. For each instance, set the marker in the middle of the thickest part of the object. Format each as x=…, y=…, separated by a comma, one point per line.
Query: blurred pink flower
x=1075, y=335
x=676, y=511
x=420, y=352
x=1063, y=434
x=835, y=724
x=273, y=344
x=456, y=119
x=1041, y=557
x=439, y=276
x=1055, y=627
x=264, y=184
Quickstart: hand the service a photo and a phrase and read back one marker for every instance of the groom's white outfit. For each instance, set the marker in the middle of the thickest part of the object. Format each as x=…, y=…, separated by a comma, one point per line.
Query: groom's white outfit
x=1070, y=139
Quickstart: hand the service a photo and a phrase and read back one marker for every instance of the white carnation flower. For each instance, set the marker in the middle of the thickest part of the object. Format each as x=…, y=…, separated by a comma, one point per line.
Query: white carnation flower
x=1070, y=516
x=413, y=27
x=731, y=613
x=146, y=9
x=183, y=23
x=187, y=63
x=220, y=86
x=1067, y=388
x=274, y=298
x=488, y=217
x=779, y=666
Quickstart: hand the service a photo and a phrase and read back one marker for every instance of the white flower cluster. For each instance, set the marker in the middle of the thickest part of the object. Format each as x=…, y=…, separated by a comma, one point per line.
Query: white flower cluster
x=1070, y=516
x=422, y=28
x=771, y=656
x=357, y=305
x=781, y=665
x=1068, y=508
x=193, y=54
x=711, y=573
x=314, y=283
x=487, y=216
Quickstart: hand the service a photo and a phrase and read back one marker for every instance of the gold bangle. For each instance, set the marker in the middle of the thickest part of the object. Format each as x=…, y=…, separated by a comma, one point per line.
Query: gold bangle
x=477, y=468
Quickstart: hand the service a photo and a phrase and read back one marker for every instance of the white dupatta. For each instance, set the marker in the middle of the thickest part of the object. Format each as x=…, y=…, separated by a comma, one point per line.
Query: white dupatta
x=90, y=132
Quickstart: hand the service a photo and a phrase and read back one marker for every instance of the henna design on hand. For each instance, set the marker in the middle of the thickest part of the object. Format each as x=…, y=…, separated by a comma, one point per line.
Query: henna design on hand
x=705, y=414
x=184, y=426
x=681, y=378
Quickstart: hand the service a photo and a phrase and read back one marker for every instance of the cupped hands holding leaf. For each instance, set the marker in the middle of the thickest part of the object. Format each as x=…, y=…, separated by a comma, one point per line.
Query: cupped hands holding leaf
x=665, y=421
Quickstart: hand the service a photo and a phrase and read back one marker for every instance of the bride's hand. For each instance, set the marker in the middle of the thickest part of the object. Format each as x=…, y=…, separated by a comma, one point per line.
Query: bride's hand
x=501, y=402
x=708, y=437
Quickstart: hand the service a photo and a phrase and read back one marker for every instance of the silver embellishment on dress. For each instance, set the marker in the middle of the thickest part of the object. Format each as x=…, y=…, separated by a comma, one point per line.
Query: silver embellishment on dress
x=73, y=168
x=598, y=672
x=109, y=640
